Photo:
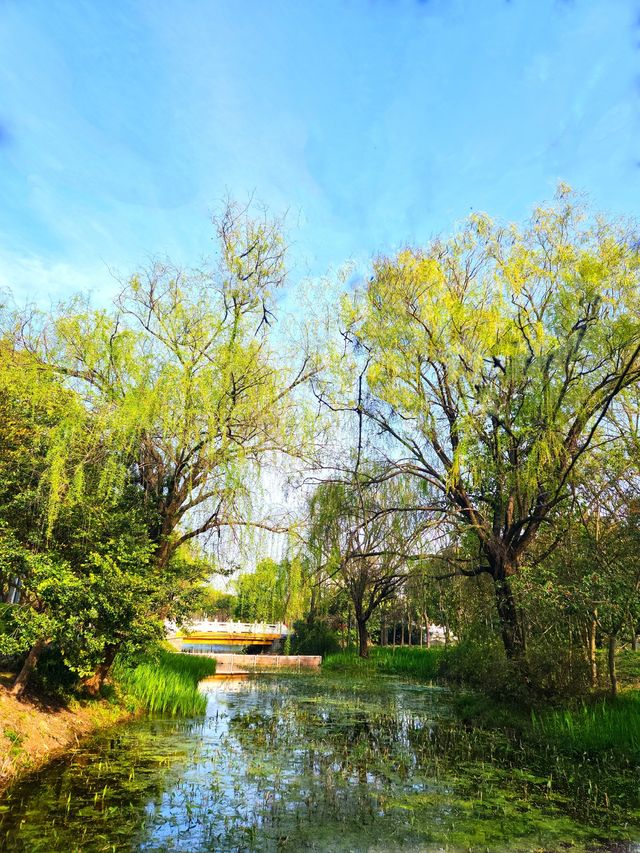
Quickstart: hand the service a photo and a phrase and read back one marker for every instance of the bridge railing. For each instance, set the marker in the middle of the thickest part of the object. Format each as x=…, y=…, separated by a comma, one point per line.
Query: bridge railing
x=207, y=626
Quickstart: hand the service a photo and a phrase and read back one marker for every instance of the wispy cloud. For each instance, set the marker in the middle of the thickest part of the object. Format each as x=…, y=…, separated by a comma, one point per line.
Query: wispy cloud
x=35, y=279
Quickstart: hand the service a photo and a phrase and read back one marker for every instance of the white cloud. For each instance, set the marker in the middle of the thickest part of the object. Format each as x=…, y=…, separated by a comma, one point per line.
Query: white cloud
x=36, y=279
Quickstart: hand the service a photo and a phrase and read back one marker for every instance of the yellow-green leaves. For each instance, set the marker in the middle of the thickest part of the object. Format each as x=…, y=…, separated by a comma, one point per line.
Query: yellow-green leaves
x=495, y=353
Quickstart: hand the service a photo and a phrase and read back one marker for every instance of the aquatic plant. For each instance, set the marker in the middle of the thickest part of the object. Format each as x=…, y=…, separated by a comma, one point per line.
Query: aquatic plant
x=596, y=728
x=166, y=682
x=327, y=764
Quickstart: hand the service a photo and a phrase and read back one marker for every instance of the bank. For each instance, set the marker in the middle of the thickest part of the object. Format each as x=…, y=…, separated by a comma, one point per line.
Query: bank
x=36, y=729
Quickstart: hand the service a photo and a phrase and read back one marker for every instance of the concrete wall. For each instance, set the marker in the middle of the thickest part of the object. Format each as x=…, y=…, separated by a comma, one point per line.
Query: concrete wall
x=230, y=661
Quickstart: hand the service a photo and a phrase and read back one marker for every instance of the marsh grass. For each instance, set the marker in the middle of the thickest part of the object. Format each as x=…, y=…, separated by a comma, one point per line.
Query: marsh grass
x=166, y=682
x=413, y=662
x=608, y=726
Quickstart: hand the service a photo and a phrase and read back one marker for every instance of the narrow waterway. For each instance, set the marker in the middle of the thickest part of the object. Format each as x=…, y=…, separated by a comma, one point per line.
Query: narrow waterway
x=310, y=763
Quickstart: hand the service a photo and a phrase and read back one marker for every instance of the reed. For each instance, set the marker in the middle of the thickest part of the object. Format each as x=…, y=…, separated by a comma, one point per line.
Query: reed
x=607, y=726
x=166, y=682
x=415, y=662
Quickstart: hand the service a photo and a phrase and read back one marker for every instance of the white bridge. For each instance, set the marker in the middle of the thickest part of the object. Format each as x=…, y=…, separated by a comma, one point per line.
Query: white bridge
x=208, y=635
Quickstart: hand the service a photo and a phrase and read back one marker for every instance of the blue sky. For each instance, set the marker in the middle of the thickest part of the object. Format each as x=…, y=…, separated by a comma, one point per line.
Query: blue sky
x=374, y=122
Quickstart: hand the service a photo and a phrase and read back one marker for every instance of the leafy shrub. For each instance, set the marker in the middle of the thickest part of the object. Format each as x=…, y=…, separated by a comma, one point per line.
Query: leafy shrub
x=485, y=666
x=315, y=638
x=52, y=676
x=554, y=668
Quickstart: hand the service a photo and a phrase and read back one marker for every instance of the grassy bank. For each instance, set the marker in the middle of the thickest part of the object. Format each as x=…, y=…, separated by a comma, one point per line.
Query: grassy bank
x=37, y=728
x=610, y=725
x=34, y=730
x=165, y=682
x=423, y=664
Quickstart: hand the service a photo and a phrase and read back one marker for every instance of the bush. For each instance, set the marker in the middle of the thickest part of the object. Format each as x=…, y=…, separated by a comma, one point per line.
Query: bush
x=315, y=638
x=483, y=665
x=52, y=676
x=556, y=669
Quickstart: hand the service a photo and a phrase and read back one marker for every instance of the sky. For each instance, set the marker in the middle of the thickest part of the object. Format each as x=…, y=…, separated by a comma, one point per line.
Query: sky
x=373, y=123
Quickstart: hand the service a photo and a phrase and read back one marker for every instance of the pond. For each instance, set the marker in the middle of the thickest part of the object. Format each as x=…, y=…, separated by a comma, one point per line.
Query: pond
x=312, y=763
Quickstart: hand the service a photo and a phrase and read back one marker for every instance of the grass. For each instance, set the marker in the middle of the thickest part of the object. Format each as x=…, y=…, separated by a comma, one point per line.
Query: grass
x=414, y=662
x=166, y=682
x=608, y=726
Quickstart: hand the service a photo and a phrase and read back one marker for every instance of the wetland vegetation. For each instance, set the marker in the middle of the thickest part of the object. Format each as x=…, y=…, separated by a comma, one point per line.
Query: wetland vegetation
x=164, y=682
x=326, y=763
x=354, y=405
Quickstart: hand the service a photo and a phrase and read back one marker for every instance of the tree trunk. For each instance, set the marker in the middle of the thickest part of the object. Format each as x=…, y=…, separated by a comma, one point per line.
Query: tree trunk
x=591, y=653
x=410, y=628
x=311, y=615
x=613, y=678
x=14, y=591
x=363, y=639
x=383, y=632
x=163, y=552
x=402, y=631
x=510, y=625
x=94, y=683
x=28, y=666
x=426, y=628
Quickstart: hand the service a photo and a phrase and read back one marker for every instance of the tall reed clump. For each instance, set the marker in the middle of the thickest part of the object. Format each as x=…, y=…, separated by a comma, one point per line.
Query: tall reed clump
x=415, y=662
x=409, y=660
x=166, y=682
x=608, y=726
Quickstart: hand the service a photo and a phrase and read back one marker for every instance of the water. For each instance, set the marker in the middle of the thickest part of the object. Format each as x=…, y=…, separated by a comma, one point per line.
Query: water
x=314, y=763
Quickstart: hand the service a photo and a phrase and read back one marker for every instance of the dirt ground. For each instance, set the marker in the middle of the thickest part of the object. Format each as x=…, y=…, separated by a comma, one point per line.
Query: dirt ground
x=33, y=730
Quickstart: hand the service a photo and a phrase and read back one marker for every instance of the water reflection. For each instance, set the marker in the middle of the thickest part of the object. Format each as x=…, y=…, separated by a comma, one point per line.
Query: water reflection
x=303, y=763
x=227, y=683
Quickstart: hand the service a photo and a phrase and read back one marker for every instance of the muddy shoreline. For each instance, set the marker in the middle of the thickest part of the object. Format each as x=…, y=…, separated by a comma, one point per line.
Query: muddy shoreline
x=35, y=730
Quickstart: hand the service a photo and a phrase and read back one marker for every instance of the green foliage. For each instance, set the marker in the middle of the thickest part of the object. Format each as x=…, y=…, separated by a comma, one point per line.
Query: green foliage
x=53, y=676
x=606, y=726
x=628, y=663
x=165, y=682
x=485, y=666
x=420, y=663
x=176, y=387
x=497, y=397
x=361, y=535
x=271, y=593
x=416, y=662
x=315, y=638
x=491, y=359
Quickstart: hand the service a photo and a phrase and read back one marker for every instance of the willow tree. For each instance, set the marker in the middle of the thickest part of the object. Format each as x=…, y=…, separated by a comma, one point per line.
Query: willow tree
x=182, y=384
x=491, y=360
x=360, y=546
